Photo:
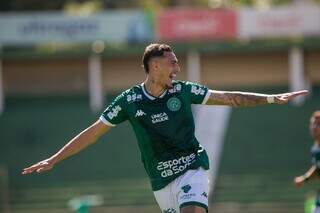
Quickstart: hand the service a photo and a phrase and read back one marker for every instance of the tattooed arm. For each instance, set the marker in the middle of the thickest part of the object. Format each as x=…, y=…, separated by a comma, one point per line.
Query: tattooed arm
x=246, y=99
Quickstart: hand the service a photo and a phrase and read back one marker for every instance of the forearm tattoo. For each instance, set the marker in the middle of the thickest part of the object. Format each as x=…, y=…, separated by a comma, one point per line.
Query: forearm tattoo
x=237, y=99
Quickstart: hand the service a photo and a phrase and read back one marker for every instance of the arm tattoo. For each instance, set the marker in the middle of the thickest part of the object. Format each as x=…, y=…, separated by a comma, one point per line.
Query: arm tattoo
x=237, y=99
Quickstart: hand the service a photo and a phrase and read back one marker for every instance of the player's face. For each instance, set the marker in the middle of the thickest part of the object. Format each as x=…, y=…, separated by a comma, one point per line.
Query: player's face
x=168, y=68
x=315, y=127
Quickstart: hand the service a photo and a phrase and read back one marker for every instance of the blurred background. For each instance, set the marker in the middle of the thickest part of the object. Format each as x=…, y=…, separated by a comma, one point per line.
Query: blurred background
x=63, y=61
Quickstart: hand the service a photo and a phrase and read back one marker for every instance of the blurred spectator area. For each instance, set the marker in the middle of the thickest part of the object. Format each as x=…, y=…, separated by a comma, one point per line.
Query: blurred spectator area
x=40, y=5
x=49, y=53
x=224, y=70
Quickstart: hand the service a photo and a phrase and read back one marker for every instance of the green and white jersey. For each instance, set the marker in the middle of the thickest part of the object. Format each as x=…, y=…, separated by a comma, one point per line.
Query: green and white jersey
x=164, y=127
x=315, y=155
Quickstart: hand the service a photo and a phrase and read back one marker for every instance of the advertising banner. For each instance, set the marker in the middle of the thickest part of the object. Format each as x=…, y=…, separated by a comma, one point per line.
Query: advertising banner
x=113, y=27
x=279, y=22
x=190, y=24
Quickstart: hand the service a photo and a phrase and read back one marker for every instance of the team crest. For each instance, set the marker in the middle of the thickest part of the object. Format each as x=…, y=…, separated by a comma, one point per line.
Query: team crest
x=174, y=104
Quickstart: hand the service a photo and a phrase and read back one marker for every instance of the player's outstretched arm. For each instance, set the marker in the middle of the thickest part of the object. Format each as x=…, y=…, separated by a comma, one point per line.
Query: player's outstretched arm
x=75, y=145
x=246, y=99
x=310, y=174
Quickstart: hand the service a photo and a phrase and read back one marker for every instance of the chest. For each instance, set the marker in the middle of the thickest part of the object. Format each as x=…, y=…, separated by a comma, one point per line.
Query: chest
x=168, y=110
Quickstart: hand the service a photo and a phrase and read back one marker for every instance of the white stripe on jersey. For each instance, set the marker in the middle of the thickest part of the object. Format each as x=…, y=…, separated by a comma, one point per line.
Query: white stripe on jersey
x=105, y=121
x=206, y=98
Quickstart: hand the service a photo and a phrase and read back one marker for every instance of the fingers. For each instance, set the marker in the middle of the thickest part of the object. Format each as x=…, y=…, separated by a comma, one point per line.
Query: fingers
x=299, y=181
x=42, y=169
x=285, y=97
x=302, y=92
x=38, y=167
x=298, y=93
x=30, y=169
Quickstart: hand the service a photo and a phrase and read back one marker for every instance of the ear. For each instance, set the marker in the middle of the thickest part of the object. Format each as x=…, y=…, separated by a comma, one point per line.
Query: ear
x=153, y=64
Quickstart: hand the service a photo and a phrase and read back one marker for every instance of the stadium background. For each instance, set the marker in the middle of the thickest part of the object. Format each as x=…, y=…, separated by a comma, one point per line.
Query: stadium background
x=46, y=100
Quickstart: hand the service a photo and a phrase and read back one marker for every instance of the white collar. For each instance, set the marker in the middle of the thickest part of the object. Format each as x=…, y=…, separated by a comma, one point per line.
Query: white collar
x=151, y=97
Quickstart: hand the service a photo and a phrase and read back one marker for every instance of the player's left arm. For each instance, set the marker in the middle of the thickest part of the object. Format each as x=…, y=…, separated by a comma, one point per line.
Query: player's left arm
x=247, y=99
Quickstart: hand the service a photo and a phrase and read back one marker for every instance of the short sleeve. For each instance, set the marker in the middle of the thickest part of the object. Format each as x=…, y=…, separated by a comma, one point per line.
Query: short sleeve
x=115, y=113
x=199, y=94
x=315, y=155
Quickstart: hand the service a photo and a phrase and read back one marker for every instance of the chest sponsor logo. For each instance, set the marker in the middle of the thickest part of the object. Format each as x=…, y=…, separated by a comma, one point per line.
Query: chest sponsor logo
x=160, y=117
x=174, y=104
x=175, y=166
x=140, y=113
x=114, y=112
x=197, y=90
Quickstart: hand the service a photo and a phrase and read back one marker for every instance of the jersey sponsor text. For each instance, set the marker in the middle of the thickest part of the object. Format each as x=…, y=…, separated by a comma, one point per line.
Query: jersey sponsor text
x=197, y=90
x=114, y=112
x=175, y=166
x=134, y=97
x=176, y=88
x=160, y=117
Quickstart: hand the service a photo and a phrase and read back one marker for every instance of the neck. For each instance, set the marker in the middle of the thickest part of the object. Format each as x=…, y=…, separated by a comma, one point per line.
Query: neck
x=154, y=87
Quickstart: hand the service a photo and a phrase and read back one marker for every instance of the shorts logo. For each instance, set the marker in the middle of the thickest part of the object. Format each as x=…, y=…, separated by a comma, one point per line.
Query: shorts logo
x=174, y=104
x=171, y=210
x=186, y=188
x=204, y=194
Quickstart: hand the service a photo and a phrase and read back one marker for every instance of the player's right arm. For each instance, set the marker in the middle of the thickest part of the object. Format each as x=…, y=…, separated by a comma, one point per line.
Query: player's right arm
x=113, y=115
x=85, y=138
x=312, y=173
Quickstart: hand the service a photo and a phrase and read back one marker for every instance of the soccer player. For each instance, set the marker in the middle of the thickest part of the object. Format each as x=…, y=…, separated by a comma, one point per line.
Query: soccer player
x=314, y=171
x=159, y=110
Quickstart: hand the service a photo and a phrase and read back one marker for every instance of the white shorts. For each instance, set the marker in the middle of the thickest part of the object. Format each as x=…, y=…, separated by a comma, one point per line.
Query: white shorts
x=191, y=188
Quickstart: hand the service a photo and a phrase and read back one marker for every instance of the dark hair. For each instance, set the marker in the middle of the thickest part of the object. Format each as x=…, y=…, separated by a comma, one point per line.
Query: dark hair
x=153, y=50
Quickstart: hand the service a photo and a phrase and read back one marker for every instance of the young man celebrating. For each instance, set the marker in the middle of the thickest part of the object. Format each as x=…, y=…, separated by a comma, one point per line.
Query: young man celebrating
x=159, y=110
x=314, y=171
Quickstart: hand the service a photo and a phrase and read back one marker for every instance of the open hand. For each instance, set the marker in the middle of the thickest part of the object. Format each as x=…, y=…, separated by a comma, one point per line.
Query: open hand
x=39, y=167
x=299, y=181
x=286, y=97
